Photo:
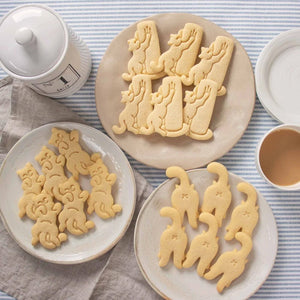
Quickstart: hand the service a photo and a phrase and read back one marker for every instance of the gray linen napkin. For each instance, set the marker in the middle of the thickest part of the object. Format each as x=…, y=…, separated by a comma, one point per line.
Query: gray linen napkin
x=26, y=277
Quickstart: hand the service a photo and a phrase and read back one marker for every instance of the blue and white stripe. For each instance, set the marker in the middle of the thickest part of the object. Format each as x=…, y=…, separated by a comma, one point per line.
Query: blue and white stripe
x=254, y=24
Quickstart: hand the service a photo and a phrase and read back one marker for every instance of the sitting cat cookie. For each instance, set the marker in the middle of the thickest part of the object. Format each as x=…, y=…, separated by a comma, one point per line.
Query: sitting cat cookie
x=145, y=48
x=45, y=230
x=32, y=184
x=231, y=264
x=199, y=108
x=213, y=65
x=101, y=200
x=77, y=160
x=73, y=217
x=245, y=216
x=173, y=239
x=184, y=197
x=183, y=51
x=53, y=169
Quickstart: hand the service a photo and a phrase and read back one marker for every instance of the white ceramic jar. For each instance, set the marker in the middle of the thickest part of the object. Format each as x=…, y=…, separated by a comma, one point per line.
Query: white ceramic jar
x=37, y=47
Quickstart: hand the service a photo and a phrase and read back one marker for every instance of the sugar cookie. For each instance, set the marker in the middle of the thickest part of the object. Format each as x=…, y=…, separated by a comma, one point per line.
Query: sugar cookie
x=231, y=264
x=45, y=229
x=100, y=199
x=137, y=105
x=73, y=216
x=213, y=64
x=204, y=246
x=32, y=184
x=145, y=48
x=173, y=239
x=167, y=115
x=199, y=109
x=184, y=198
x=68, y=145
x=53, y=169
x=244, y=217
x=217, y=197
x=183, y=51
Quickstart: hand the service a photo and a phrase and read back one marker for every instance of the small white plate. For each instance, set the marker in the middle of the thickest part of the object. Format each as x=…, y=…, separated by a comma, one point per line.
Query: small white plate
x=172, y=283
x=277, y=76
x=106, y=232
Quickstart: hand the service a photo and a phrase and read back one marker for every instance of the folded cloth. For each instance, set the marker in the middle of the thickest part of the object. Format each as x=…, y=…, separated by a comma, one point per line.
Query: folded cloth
x=26, y=277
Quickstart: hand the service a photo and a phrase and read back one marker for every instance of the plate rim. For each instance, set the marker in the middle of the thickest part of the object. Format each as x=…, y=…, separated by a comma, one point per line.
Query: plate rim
x=148, y=200
x=262, y=88
x=150, y=17
x=122, y=233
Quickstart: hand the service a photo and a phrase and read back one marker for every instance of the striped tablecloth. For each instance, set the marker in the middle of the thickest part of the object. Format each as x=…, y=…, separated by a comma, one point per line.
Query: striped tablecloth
x=254, y=24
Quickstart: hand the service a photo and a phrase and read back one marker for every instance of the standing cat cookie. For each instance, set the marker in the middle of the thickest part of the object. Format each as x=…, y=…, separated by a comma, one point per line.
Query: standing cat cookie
x=217, y=197
x=184, y=198
x=173, y=239
x=204, y=246
x=231, y=264
x=244, y=217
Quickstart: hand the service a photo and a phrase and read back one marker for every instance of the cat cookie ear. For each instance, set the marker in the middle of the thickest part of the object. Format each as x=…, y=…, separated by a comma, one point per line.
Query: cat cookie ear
x=74, y=136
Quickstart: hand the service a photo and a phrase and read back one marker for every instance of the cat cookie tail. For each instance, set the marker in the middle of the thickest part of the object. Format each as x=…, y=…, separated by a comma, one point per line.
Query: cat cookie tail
x=181, y=131
x=249, y=190
x=121, y=129
x=187, y=80
x=200, y=137
x=157, y=67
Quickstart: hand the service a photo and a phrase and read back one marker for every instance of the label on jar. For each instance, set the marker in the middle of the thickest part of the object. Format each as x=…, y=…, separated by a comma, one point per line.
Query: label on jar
x=60, y=83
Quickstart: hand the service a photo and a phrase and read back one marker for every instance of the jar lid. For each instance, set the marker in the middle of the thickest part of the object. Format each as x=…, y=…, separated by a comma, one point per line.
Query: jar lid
x=33, y=39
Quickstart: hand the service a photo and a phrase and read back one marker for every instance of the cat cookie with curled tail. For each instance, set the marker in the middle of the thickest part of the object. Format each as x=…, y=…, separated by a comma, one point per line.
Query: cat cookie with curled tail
x=101, y=200
x=199, y=108
x=73, y=217
x=45, y=230
x=204, y=246
x=245, y=216
x=166, y=117
x=183, y=51
x=145, y=48
x=53, y=169
x=77, y=160
x=32, y=185
x=217, y=197
x=137, y=100
x=213, y=65
x=173, y=240
x=184, y=197
x=231, y=264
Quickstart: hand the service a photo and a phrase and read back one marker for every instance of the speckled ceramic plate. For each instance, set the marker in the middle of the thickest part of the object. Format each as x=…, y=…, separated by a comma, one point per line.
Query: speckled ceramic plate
x=172, y=283
x=106, y=232
x=231, y=115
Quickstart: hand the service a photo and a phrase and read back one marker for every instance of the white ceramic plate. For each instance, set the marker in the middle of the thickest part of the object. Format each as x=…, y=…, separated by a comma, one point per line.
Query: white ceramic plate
x=232, y=112
x=172, y=283
x=106, y=232
x=277, y=76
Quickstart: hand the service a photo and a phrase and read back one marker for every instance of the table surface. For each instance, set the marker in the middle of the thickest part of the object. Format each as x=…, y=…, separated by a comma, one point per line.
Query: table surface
x=254, y=24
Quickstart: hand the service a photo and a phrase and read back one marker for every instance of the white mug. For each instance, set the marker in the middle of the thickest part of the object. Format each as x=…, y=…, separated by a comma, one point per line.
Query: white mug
x=259, y=163
x=45, y=53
